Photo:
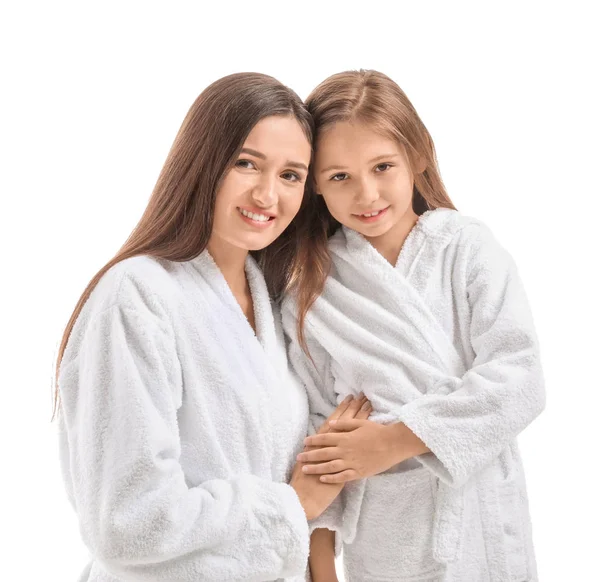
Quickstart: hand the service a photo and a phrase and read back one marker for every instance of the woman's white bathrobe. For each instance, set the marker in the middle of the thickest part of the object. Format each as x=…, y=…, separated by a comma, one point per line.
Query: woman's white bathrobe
x=444, y=342
x=179, y=429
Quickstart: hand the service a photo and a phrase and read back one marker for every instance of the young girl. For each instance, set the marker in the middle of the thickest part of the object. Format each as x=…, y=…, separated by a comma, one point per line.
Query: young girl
x=421, y=309
x=179, y=418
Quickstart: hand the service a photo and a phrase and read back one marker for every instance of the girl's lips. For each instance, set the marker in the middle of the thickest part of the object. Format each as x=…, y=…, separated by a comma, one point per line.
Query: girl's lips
x=370, y=219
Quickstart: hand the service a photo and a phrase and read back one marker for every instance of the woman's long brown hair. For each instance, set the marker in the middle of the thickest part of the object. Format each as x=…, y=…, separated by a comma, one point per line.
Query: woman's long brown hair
x=372, y=98
x=177, y=222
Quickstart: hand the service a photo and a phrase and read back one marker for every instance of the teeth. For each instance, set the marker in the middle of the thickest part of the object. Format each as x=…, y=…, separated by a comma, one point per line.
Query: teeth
x=372, y=214
x=257, y=217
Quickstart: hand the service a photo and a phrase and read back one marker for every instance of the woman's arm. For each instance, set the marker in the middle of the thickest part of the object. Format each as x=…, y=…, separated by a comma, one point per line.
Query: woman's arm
x=137, y=514
x=315, y=374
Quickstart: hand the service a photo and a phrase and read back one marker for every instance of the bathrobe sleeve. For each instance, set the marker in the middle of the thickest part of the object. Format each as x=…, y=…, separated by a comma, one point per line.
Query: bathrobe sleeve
x=468, y=422
x=138, y=516
x=318, y=381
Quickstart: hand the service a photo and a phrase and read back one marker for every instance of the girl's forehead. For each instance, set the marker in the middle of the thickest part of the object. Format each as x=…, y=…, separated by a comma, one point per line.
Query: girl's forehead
x=353, y=138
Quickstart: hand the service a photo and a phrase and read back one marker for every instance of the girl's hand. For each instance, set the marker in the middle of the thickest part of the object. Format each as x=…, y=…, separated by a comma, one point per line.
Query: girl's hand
x=315, y=495
x=361, y=450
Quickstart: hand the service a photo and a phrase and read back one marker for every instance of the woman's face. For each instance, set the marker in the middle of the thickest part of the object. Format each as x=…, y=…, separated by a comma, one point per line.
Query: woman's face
x=365, y=179
x=262, y=192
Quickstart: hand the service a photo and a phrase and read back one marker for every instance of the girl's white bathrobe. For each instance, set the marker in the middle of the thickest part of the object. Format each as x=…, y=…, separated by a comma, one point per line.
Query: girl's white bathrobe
x=179, y=429
x=444, y=342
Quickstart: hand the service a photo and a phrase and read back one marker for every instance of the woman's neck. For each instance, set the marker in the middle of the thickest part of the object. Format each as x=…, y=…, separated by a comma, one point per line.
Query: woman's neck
x=231, y=261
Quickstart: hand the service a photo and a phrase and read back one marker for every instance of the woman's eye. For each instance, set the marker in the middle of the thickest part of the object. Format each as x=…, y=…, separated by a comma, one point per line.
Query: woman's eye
x=291, y=176
x=382, y=167
x=339, y=177
x=247, y=164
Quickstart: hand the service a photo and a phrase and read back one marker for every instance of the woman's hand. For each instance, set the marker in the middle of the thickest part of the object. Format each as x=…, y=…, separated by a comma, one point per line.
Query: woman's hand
x=315, y=495
x=350, y=408
x=359, y=449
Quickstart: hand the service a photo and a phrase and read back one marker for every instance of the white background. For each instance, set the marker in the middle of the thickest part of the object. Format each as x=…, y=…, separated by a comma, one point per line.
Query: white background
x=92, y=96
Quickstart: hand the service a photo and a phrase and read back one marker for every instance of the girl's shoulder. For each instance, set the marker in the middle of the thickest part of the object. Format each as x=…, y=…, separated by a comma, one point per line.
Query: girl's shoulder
x=452, y=227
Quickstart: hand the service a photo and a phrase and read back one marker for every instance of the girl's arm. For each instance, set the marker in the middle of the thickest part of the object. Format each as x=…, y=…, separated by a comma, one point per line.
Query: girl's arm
x=137, y=514
x=322, y=556
x=503, y=392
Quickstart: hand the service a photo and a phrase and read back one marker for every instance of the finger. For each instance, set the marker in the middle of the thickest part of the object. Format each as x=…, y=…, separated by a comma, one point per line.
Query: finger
x=343, y=477
x=330, y=467
x=318, y=455
x=341, y=407
x=347, y=409
x=354, y=406
x=365, y=411
x=348, y=425
x=336, y=414
x=325, y=427
x=330, y=439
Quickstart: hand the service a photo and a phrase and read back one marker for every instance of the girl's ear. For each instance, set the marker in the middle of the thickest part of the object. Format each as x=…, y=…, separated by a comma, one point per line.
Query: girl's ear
x=420, y=165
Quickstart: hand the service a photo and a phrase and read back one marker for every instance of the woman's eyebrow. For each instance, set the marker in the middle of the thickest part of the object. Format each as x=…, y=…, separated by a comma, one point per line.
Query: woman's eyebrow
x=254, y=153
x=262, y=156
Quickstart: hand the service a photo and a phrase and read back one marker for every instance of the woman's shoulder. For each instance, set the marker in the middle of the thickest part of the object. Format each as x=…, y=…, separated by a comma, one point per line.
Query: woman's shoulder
x=134, y=281
x=140, y=287
x=143, y=284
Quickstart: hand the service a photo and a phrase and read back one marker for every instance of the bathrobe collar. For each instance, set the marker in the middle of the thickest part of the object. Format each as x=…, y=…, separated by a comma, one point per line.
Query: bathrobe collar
x=433, y=223
x=263, y=311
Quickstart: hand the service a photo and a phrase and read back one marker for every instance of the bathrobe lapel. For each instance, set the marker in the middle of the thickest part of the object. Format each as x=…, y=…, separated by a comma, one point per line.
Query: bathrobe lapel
x=388, y=298
x=263, y=352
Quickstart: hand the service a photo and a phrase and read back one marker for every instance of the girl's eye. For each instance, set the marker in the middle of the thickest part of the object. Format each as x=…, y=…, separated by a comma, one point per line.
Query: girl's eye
x=339, y=177
x=291, y=176
x=246, y=164
x=382, y=167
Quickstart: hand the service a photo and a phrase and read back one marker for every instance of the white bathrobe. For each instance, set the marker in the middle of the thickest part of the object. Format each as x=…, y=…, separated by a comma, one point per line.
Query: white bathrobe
x=444, y=342
x=179, y=429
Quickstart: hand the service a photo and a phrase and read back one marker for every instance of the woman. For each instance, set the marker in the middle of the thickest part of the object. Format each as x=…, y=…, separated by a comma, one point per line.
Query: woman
x=179, y=417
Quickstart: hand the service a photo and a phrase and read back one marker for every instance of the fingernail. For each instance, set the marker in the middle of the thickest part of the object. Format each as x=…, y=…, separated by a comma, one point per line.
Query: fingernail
x=305, y=469
x=366, y=406
x=324, y=478
x=360, y=396
x=332, y=422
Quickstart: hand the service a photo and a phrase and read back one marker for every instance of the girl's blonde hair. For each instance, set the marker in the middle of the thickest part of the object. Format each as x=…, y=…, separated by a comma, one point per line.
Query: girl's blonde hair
x=372, y=98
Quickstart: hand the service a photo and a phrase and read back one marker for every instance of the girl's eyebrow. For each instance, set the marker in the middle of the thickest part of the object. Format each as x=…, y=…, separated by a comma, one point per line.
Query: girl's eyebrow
x=262, y=156
x=381, y=157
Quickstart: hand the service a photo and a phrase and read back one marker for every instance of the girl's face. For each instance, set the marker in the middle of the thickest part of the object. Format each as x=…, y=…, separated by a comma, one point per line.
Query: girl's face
x=262, y=192
x=365, y=179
